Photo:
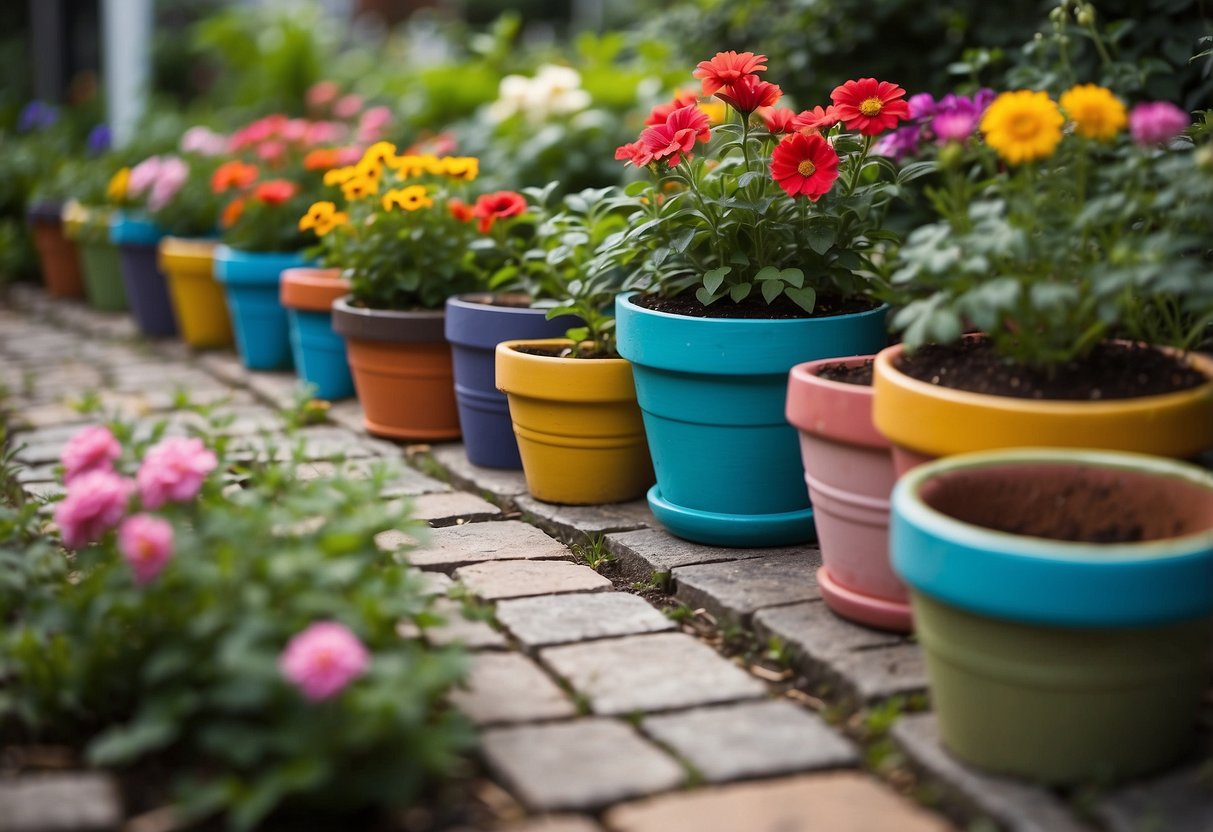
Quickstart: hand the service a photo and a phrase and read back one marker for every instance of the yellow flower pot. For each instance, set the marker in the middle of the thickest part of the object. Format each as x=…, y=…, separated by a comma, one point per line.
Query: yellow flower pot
x=926, y=421
x=579, y=429
x=197, y=297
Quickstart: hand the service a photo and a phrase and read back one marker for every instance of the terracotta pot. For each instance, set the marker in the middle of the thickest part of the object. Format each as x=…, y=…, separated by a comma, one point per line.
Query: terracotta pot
x=1048, y=658
x=57, y=255
x=197, y=298
x=924, y=421
x=579, y=429
x=849, y=472
x=320, y=354
x=402, y=371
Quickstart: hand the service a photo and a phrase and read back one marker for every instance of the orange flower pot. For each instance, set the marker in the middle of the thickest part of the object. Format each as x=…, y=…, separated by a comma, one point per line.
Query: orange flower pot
x=57, y=254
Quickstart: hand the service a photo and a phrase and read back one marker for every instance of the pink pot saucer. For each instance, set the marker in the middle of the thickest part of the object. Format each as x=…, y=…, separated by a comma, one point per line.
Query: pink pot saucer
x=864, y=609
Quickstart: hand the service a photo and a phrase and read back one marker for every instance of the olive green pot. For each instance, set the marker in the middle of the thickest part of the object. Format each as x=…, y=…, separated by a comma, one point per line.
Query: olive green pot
x=102, y=276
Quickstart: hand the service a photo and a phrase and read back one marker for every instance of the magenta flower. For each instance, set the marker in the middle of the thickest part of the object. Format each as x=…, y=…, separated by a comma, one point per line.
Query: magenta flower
x=323, y=659
x=147, y=544
x=900, y=143
x=92, y=449
x=325, y=132
x=295, y=130
x=322, y=93
x=373, y=123
x=203, y=141
x=173, y=471
x=1157, y=122
x=173, y=175
x=922, y=105
x=95, y=502
x=143, y=175
x=348, y=106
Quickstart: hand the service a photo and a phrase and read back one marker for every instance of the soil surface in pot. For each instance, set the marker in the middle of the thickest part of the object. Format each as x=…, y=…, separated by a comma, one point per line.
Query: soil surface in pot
x=754, y=306
x=860, y=374
x=561, y=352
x=513, y=300
x=1111, y=371
x=1074, y=502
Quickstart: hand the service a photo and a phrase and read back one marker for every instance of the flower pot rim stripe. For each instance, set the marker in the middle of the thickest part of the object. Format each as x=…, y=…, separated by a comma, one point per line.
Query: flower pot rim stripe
x=1050, y=582
x=201, y=250
x=311, y=288
x=940, y=421
x=126, y=230
x=466, y=327
x=572, y=379
x=392, y=325
x=833, y=409
x=771, y=346
x=254, y=268
x=789, y=528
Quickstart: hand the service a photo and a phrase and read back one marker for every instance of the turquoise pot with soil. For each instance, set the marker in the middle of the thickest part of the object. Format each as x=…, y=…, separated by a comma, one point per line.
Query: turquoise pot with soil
x=712, y=391
x=1064, y=601
x=251, y=283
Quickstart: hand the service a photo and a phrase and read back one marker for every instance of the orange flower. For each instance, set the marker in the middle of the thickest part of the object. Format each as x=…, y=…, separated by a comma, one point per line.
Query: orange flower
x=748, y=93
x=870, y=106
x=804, y=165
x=322, y=158
x=275, y=191
x=232, y=212
x=497, y=206
x=234, y=174
x=727, y=68
x=460, y=210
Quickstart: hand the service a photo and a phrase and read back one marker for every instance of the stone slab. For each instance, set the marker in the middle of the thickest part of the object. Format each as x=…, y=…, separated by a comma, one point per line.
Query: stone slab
x=737, y=589
x=655, y=550
x=751, y=739
x=581, y=765
x=647, y=673
x=496, y=580
x=1017, y=805
x=572, y=523
x=883, y=672
x=401, y=480
x=59, y=802
x=280, y=390
x=455, y=546
x=832, y=802
x=507, y=688
x=472, y=633
x=445, y=509
x=502, y=482
x=561, y=619
x=1181, y=801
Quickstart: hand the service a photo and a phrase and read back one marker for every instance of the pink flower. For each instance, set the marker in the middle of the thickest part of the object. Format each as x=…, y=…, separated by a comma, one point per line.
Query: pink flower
x=1151, y=123
x=147, y=544
x=95, y=502
x=372, y=124
x=348, y=106
x=271, y=150
x=323, y=659
x=295, y=130
x=203, y=141
x=324, y=132
x=92, y=449
x=173, y=471
x=143, y=175
x=173, y=174
x=349, y=155
x=321, y=94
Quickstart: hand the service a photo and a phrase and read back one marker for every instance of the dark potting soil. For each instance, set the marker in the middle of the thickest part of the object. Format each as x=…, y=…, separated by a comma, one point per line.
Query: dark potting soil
x=561, y=352
x=754, y=306
x=1111, y=371
x=848, y=373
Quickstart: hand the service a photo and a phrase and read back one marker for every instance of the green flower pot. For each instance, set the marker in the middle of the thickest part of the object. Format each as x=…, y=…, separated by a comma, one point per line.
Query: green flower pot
x=102, y=275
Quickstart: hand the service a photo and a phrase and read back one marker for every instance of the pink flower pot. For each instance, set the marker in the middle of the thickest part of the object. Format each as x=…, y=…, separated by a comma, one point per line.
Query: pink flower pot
x=849, y=471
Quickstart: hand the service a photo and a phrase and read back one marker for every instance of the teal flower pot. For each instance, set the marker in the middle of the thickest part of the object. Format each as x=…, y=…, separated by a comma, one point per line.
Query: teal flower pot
x=251, y=284
x=712, y=391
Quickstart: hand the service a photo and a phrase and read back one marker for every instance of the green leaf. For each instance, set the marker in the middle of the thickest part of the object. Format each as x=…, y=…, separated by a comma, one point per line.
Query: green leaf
x=740, y=292
x=767, y=273
x=821, y=236
x=713, y=279
x=123, y=744
x=805, y=298
x=792, y=277
x=771, y=290
x=579, y=333
x=705, y=297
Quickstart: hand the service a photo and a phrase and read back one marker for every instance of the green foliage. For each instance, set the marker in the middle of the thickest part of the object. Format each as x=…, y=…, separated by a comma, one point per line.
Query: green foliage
x=194, y=209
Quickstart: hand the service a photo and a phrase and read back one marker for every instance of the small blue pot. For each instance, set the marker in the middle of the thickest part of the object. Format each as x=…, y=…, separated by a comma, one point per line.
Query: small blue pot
x=145, y=285
x=474, y=328
x=713, y=392
x=251, y=284
x=319, y=353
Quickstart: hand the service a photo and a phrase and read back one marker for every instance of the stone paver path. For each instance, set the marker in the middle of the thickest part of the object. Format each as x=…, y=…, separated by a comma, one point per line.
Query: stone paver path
x=677, y=688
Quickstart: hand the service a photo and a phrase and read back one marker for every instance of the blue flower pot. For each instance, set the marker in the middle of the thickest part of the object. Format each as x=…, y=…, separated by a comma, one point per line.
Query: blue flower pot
x=474, y=328
x=319, y=353
x=251, y=284
x=713, y=391
x=146, y=289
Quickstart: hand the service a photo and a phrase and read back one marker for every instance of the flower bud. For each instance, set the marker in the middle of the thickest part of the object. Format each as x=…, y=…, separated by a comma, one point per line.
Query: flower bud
x=1204, y=158
x=1085, y=15
x=950, y=155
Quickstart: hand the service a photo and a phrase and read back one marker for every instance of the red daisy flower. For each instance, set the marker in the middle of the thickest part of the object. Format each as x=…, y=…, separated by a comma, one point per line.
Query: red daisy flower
x=804, y=165
x=817, y=119
x=870, y=106
x=661, y=112
x=779, y=120
x=748, y=93
x=726, y=68
x=460, y=210
x=498, y=205
x=275, y=191
x=634, y=153
x=669, y=141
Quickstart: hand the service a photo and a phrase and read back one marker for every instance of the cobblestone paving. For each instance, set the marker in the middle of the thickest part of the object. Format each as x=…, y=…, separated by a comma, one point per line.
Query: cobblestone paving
x=746, y=707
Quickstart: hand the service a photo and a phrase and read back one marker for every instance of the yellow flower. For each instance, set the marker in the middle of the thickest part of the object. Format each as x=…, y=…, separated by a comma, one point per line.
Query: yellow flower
x=1022, y=126
x=368, y=168
x=115, y=191
x=379, y=153
x=322, y=218
x=339, y=176
x=466, y=168
x=1096, y=113
x=359, y=187
x=408, y=199
x=412, y=165
x=714, y=110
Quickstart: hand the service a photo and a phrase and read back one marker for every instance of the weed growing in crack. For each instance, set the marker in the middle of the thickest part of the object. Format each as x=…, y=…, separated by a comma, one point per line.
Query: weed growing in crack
x=593, y=552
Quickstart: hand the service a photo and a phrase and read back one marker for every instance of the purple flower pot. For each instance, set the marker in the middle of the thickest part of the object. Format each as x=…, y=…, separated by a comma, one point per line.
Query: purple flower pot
x=146, y=288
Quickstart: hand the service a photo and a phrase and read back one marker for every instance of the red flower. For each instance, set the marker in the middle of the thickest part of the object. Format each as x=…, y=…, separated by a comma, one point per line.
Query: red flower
x=635, y=153
x=870, y=106
x=497, y=206
x=779, y=120
x=748, y=93
x=661, y=112
x=804, y=165
x=817, y=119
x=670, y=140
x=233, y=175
x=232, y=212
x=460, y=210
x=727, y=68
x=275, y=191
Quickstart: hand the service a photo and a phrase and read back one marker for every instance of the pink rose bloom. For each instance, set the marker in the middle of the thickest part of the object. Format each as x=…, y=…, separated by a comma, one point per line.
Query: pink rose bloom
x=271, y=151
x=1151, y=123
x=147, y=544
x=321, y=94
x=173, y=471
x=92, y=449
x=203, y=141
x=173, y=174
x=348, y=106
x=323, y=659
x=143, y=175
x=324, y=132
x=95, y=502
x=295, y=130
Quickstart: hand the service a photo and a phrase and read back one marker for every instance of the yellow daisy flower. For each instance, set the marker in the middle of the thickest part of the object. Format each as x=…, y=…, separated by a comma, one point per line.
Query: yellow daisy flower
x=115, y=191
x=466, y=168
x=339, y=176
x=379, y=153
x=1095, y=111
x=359, y=187
x=337, y=219
x=1022, y=126
x=407, y=199
x=322, y=217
